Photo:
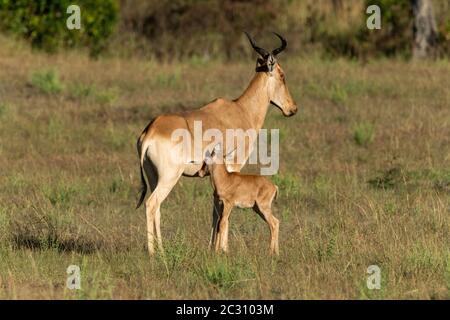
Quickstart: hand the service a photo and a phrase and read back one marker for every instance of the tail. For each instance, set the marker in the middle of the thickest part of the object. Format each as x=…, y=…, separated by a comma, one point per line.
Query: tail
x=143, y=191
x=142, y=152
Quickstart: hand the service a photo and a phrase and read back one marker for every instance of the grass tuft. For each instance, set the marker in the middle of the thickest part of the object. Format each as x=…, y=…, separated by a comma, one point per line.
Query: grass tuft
x=224, y=274
x=363, y=134
x=46, y=81
x=168, y=79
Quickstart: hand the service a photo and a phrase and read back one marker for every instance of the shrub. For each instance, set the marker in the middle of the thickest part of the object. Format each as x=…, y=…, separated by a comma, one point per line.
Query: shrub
x=43, y=23
x=394, y=37
x=184, y=28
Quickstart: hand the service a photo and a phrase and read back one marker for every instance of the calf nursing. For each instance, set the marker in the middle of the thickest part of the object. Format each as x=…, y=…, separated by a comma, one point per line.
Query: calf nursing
x=164, y=160
x=244, y=191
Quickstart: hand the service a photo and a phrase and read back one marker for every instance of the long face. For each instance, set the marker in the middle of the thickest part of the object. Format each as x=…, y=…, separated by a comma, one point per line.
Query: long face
x=279, y=92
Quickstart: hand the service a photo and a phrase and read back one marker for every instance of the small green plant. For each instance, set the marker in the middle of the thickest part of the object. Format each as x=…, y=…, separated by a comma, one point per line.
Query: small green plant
x=322, y=185
x=441, y=180
x=421, y=258
x=55, y=128
x=119, y=187
x=59, y=194
x=46, y=81
x=372, y=294
x=288, y=184
x=328, y=250
x=84, y=91
x=286, y=213
x=197, y=61
x=389, y=179
x=338, y=95
x=223, y=274
x=108, y=96
x=116, y=138
x=3, y=109
x=390, y=208
x=114, y=186
x=177, y=252
x=81, y=90
x=168, y=80
x=363, y=134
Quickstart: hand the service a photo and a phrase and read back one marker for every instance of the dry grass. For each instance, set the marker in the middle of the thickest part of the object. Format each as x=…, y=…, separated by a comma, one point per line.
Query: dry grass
x=69, y=182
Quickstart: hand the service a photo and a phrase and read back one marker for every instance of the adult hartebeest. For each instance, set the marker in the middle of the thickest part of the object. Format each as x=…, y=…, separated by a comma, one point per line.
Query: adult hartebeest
x=160, y=154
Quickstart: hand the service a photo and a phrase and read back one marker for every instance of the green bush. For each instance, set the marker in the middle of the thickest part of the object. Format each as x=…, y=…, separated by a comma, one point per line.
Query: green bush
x=394, y=37
x=43, y=22
x=186, y=28
x=396, y=33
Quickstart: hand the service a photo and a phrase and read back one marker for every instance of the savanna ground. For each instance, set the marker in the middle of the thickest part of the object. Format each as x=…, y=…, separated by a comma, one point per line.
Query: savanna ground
x=364, y=179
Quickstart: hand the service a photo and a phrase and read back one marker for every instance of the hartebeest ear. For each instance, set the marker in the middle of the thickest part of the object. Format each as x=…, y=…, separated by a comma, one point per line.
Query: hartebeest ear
x=271, y=61
x=209, y=155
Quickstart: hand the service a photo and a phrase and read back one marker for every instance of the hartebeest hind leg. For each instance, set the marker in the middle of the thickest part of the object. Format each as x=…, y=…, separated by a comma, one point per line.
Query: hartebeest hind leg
x=265, y=212
x=150, y=212
x=164, y=179
x=153, y=212
x=216, y=214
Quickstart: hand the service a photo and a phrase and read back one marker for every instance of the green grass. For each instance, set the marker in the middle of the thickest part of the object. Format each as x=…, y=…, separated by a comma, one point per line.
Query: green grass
x=338, y=95
x=168, y=80
x=46, y=81
x=3, y=110
x=224, y=274
x=108, y=96
x=288, y=184
x=81, y=90
x=364, y=134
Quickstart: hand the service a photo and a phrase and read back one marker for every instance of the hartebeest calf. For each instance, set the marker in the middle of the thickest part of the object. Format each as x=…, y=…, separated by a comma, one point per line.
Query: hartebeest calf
x=234, y=189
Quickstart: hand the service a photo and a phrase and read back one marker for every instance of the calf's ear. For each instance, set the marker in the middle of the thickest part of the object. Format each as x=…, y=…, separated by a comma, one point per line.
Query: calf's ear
x=208, y=156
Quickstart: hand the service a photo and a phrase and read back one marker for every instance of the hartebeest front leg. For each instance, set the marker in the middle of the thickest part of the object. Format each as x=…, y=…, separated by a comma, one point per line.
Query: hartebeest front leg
x=274, y=225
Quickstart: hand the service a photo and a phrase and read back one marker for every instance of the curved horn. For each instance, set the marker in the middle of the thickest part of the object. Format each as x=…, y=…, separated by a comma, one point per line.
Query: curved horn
x=283, y=45
x=262, y=52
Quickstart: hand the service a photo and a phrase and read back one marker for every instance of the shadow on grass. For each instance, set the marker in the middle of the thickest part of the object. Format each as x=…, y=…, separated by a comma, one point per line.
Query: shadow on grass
x=82, y=246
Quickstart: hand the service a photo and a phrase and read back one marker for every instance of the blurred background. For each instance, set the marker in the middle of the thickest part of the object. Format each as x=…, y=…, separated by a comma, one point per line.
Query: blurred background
x=177, y=29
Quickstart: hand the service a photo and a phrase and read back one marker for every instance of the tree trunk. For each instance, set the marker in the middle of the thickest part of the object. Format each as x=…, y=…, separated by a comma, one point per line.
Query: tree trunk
x=425, y=30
